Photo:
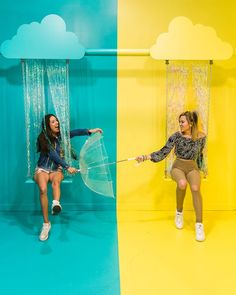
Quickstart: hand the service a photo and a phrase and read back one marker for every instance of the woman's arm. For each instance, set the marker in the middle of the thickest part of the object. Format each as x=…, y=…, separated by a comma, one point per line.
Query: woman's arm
x=59, y=161
x=82, y=132
x=160, y=154
x=200, y=157
x=79, y=132
x=53, y=155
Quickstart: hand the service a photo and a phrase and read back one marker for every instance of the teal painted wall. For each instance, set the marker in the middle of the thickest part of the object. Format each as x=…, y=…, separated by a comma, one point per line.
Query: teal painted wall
x=92, y=97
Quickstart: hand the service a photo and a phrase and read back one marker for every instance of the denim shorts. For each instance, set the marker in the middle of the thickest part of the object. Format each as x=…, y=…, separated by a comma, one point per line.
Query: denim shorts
x=48, y=171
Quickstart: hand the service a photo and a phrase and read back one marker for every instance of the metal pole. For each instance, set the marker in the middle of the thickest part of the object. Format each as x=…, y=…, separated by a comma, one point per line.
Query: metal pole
x=117, y=52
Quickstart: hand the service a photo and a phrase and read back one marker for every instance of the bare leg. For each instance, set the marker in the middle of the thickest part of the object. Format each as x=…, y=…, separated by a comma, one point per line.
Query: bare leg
x=42, y=179
x=56, y=179
x=179, y=177
x=194, y=180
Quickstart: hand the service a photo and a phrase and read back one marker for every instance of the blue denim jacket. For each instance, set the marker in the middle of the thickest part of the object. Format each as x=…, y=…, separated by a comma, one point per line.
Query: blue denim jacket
x=53, y=160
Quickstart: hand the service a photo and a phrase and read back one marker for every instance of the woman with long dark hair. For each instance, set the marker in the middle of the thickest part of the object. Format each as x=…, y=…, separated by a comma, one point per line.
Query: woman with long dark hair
x=50, y=166
x=188, y=143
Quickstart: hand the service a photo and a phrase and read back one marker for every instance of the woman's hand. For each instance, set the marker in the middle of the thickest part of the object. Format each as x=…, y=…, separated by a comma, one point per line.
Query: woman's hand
x=72, y=170
x=95, y=130
x=142, y=158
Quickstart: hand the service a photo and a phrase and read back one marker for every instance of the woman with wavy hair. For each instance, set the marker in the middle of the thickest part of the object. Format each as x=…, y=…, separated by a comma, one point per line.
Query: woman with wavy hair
x=50, y=166
x=188, y=143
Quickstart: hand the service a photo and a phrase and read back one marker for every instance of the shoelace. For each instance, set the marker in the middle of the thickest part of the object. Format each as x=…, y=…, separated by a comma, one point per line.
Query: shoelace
x=199, y=229
x=45, y=228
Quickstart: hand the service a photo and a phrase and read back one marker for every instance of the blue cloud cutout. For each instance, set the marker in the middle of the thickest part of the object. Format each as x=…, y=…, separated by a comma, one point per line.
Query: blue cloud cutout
x=46, y=40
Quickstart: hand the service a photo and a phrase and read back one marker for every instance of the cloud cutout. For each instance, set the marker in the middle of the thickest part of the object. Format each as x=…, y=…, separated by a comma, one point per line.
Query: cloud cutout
x=185, y=41
x=46, y=40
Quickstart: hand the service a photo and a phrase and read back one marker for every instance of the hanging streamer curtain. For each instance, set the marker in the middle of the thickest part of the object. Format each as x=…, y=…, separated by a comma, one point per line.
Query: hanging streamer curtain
x=188, y=88
x=34, y=99
x=58, y=80
x=36, y=75
x=176, y=89
x=201, y=83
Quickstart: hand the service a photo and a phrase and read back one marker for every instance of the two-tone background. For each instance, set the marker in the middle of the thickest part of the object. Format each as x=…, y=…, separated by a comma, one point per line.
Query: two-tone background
x=126, y=97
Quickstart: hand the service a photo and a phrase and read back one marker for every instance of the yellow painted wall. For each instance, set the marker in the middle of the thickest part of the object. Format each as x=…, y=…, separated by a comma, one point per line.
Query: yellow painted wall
x=142, y=105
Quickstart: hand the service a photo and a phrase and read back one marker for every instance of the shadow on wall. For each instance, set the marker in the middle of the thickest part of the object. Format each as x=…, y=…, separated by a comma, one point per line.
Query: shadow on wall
x=11, y=71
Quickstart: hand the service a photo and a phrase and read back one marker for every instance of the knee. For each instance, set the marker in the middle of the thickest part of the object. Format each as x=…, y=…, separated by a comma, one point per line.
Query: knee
x=182, y=184
x=195, y=188
x=56, y=184
x=43, y=190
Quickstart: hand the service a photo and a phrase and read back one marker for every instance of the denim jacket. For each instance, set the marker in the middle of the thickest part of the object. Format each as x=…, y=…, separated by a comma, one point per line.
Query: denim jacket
x=52, y=160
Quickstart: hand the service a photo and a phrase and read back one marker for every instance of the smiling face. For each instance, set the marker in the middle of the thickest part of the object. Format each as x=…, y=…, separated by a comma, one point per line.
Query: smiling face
x=54, y=125
x=184, y=125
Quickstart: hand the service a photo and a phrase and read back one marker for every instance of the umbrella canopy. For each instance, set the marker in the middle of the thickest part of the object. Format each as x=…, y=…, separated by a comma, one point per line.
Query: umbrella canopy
x=94, y=166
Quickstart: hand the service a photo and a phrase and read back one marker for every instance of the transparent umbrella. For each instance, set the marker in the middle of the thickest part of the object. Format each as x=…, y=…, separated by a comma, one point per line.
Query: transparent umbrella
x=94, y=166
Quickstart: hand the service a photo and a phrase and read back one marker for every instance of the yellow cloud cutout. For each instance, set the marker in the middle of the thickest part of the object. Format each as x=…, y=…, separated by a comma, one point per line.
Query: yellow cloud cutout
x=185, y=41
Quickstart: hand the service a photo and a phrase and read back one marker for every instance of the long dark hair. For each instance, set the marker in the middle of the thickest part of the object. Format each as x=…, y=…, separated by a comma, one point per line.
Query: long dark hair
x=46, y=138
x=192, y=118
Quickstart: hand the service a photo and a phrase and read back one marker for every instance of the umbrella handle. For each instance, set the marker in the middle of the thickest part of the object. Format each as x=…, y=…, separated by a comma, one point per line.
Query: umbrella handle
x=124, y=160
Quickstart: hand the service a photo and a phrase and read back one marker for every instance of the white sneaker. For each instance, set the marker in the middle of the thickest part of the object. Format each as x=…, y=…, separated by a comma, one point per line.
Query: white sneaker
x=200, y=235
x=56, y=207
x=179, y=221
x=45, y=231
